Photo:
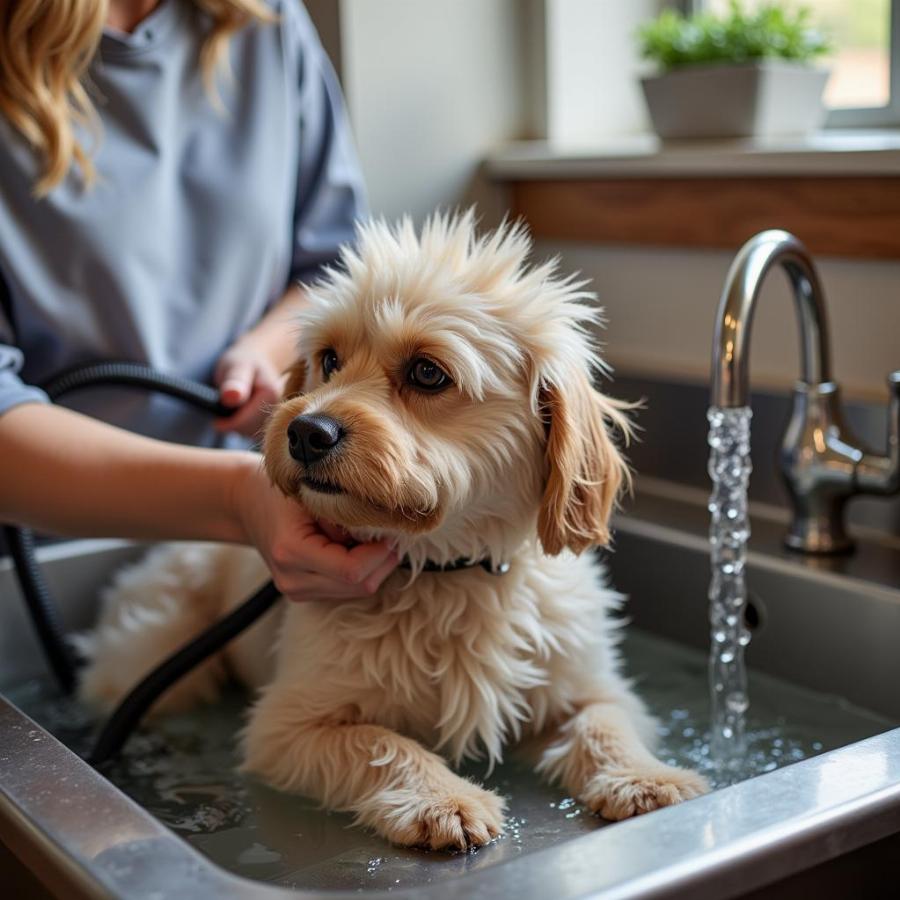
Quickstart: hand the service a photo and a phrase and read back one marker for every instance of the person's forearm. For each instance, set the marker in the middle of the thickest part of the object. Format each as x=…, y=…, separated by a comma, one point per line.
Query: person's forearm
x=68, y=474
x=276, y=332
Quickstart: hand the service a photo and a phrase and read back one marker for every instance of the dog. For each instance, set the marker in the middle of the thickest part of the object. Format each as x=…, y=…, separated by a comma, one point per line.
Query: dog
x=458, y=379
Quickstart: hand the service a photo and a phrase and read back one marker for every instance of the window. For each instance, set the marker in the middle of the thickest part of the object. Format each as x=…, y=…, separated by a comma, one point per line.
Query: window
x=864, y=88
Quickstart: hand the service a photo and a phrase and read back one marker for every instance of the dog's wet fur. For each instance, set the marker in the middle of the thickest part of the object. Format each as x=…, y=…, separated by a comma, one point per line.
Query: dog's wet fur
x=366, y=705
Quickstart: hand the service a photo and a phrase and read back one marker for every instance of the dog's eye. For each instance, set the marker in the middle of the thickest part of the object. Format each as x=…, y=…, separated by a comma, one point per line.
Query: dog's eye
x=330, y=363
x=424, y=375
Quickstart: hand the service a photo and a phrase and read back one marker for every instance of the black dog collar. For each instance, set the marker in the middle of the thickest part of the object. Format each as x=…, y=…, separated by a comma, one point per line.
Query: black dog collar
x=457, y=564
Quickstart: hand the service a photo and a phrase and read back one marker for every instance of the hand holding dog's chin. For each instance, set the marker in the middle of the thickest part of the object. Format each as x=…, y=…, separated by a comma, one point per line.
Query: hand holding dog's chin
x=305, y=561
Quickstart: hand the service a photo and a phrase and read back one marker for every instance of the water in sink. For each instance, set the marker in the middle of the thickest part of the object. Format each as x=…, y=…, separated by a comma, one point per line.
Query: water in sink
x=182, y=770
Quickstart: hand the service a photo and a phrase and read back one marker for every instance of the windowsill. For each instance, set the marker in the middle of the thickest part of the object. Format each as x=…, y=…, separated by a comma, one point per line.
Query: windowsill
x=840, y=191
x=835, y=152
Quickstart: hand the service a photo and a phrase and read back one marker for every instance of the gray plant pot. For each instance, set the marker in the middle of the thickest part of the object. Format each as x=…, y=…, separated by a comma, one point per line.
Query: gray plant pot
x=762, y=99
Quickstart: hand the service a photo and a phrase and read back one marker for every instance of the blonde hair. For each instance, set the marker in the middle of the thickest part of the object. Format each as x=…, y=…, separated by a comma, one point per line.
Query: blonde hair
x=45, y=50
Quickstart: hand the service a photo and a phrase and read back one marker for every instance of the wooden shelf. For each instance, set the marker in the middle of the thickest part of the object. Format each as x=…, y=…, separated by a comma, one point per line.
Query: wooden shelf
x=855, y=216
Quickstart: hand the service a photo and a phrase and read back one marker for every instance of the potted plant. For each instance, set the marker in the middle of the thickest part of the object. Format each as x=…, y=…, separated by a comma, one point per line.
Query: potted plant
x=747, y=73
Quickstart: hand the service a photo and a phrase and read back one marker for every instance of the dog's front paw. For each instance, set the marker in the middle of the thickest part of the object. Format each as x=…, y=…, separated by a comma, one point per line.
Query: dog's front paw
x=623, y=793
x=455, y=816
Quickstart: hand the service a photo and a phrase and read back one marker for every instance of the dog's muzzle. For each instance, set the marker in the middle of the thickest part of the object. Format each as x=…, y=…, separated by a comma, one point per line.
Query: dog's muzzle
x=311, y=438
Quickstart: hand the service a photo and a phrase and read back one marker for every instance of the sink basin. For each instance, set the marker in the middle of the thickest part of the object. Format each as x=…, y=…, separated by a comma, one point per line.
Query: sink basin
x=828, y=623
x=824, y=753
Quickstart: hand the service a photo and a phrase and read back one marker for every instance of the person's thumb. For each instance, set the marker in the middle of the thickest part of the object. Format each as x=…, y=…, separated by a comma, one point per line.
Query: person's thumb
x=236, y=383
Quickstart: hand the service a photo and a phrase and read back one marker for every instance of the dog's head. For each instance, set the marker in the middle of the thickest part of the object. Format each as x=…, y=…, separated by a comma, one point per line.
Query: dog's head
x=442, y=395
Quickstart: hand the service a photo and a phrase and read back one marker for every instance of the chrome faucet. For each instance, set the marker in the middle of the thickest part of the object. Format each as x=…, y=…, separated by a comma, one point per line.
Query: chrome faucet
x=821, y=464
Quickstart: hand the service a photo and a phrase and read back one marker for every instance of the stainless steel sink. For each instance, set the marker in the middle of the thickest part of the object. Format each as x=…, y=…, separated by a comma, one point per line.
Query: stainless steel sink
x=830, y=627
x=829, y=623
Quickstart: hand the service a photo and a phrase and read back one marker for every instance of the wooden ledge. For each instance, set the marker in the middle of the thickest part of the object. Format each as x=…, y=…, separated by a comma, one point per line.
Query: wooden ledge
x=857, y=216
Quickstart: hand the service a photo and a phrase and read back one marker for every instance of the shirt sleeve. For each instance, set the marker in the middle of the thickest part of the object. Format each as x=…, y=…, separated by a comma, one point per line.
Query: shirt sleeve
x=330, y=187
x=13, y=391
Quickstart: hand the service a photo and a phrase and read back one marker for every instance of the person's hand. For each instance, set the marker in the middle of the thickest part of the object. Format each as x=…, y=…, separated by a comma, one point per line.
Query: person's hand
x=250, y=382
x=308, y=560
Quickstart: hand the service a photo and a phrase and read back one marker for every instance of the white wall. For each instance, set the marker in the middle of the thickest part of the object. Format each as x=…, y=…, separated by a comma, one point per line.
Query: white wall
x=592, y=68
x=431, y=86
x=661, y=307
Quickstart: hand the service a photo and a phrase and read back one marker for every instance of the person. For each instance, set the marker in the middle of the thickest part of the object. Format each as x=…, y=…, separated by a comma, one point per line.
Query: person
x=170, y=171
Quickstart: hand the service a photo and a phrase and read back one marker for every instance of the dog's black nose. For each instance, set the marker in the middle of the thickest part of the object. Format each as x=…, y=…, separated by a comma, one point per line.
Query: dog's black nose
x=311, y=438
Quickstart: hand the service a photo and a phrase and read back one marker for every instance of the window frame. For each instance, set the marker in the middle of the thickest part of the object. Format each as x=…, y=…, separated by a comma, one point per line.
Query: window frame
x=887, y=116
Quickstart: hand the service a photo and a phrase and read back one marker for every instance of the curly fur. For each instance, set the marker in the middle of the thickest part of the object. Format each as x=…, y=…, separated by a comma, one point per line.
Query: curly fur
x=515, y=462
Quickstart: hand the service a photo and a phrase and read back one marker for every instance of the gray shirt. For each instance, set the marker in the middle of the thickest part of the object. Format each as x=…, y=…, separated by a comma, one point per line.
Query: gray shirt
x=199, y=219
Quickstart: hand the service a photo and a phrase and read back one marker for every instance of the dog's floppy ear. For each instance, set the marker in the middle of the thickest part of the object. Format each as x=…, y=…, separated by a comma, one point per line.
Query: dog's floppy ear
x=585, y=470
x=296, y=376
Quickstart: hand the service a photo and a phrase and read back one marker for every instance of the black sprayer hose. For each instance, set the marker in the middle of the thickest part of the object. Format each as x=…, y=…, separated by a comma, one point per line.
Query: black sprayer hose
x=42, y=609
x=131, y=710
x=127, y=374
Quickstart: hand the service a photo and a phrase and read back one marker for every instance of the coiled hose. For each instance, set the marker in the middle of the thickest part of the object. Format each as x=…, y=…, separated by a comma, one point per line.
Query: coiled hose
x=42, y=609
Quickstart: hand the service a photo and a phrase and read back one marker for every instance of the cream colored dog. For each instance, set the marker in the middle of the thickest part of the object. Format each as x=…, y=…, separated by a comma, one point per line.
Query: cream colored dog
x=442, y=397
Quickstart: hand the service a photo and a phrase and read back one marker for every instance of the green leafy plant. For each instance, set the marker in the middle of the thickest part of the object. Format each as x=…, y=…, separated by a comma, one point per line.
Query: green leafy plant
x=771, y=31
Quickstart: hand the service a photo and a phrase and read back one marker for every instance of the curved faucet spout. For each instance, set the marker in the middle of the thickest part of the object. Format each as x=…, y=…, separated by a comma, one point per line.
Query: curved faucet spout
x=821, y=464
x=731, y=344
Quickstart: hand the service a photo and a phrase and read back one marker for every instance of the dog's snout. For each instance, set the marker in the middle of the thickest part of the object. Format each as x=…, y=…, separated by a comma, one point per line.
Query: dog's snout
x=311, y=438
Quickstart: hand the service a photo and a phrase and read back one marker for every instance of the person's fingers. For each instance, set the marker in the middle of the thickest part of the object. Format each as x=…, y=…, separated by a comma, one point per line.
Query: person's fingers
x=315, y=587
x=335, y=532
x=249, y=418
x=310, y=549
x=270, y=382
x=265, y=396
x=279, y=384
x=352, y=565
x=236, y=382
x=375, y=579
x=319, y=587
x=312, y=586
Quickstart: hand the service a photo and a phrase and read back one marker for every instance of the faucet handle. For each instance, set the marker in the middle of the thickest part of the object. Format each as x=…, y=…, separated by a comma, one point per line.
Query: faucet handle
x=893, y=381
x=881, y=474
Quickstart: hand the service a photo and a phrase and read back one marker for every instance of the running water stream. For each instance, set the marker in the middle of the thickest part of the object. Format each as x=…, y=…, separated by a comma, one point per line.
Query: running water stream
x=729, y=469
